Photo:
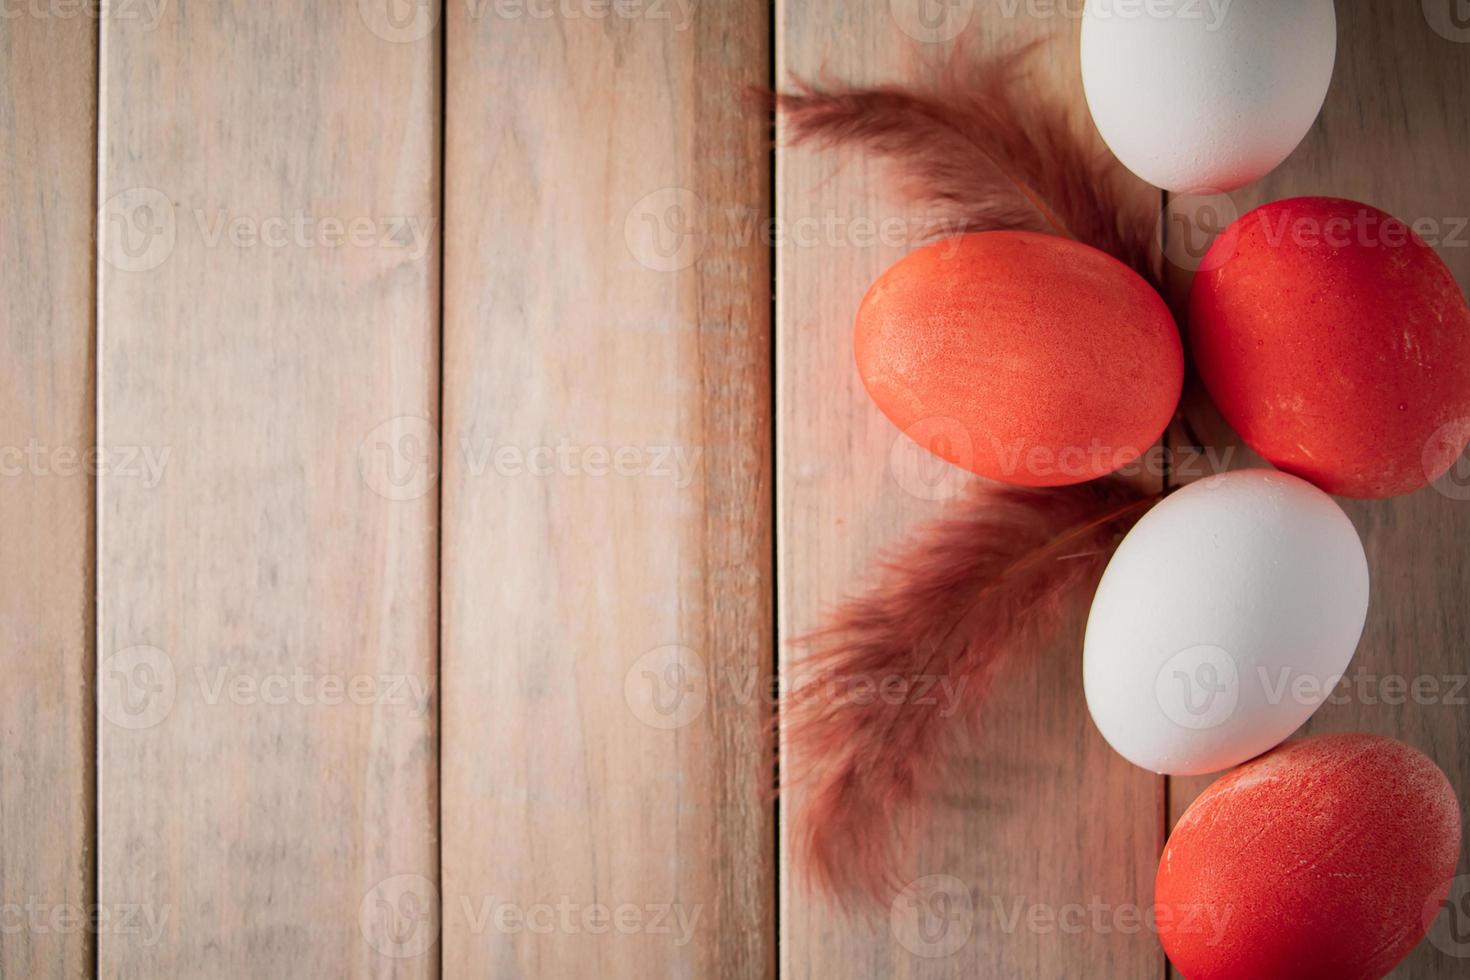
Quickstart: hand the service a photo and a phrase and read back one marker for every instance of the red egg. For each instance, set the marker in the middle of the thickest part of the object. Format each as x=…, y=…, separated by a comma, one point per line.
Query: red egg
x=1025, y=358
x=1337, y=344
x=1315, y=861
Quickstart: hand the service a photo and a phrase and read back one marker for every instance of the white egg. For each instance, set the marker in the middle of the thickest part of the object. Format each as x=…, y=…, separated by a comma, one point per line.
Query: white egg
x=1227, y=615
x=1206, y=95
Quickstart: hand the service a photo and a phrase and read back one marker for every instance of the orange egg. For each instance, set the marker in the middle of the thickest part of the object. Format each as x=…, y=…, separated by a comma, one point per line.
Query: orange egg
x=1337, y=343
x=1025, y=358
x=1324, y=859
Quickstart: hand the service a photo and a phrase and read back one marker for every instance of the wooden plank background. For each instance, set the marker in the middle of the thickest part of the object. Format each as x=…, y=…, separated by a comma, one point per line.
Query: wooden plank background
x=268, y=305
x=438, y=605
x=48, y=133
x=607, y=499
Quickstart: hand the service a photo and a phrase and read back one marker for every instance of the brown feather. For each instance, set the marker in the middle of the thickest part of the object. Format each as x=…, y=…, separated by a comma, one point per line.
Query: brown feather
x=987, y=153
x=988, y=582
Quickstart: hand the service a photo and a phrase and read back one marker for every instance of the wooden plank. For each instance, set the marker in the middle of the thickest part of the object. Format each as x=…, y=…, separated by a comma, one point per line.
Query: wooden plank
x=48, y=118
x=1049, y=817
x=1393, y=134
x=607, y=620
x=267, y=315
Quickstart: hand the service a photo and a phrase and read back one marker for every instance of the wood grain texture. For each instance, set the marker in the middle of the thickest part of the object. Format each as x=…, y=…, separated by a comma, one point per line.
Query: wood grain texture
x=47, y=128
x=607, y=570
x=267, y=615
x=1393, y=134
x=1043, y=822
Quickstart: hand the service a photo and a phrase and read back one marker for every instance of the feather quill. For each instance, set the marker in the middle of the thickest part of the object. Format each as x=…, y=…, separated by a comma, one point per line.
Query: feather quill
x=864, y=730
x=987, y=152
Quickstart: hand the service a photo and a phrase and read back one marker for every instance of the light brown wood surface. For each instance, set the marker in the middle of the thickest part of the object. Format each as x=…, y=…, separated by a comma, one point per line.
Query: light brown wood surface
x=1393, y=134
x=47, y=179
x=607, y=500
x=1043, y=815
x=267, y=614
x=368, y=691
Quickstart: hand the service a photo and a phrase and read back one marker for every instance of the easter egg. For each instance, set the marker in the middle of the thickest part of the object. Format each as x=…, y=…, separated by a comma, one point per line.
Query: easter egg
x=1025, y=358
x=1337, y=344
x=1316, y=861
x=1226, y=616
x=1195, y=96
